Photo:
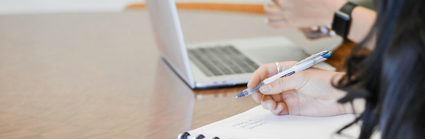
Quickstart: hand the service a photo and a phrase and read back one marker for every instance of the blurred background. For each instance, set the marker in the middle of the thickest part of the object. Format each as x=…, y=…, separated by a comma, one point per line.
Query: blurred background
x=72, y=6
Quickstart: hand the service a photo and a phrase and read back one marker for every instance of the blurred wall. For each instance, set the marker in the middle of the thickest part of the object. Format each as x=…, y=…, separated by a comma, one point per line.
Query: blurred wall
x=70, y=6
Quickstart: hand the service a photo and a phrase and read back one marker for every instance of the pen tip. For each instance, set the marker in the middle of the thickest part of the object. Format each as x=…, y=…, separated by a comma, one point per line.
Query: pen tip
x=240, y=95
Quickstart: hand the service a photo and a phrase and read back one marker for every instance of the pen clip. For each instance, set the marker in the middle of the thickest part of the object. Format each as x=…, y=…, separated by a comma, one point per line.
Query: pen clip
x=312, y=56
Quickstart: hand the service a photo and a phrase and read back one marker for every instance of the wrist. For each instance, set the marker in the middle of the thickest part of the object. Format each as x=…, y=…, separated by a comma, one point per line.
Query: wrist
x=358, y=104
x=362, y=22
x=337, y=4
x=333, y=6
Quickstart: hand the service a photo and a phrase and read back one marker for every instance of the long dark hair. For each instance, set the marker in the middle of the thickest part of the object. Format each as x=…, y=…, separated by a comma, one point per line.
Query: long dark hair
x=391, y=78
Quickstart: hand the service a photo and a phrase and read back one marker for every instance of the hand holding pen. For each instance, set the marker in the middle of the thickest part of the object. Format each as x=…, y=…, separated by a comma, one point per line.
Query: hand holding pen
x=308, y=92
x=300, y=66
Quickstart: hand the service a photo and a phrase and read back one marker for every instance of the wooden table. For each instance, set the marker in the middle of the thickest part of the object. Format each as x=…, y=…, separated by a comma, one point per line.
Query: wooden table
x=99, y=75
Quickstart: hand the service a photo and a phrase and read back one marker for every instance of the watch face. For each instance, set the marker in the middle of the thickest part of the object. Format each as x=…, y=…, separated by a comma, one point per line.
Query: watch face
x=340, y=25
x=342, y=19
x=342, y=15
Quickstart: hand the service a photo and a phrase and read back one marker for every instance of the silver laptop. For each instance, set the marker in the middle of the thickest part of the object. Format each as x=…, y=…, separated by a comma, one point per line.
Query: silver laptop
x=214, y=64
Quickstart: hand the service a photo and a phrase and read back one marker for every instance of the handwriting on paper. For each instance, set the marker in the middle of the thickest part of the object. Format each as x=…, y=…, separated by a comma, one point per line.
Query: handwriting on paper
x=250, y=124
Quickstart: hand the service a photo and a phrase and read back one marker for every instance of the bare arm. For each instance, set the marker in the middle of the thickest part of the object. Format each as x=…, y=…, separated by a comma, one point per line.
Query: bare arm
x=362, y=22
x=307, y=13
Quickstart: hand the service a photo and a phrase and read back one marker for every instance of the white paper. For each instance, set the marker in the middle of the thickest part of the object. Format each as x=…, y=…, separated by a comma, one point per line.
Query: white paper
x=258, y=123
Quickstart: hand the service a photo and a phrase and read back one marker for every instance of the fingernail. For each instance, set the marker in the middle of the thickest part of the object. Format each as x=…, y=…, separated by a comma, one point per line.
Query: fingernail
x=268, y=4
x=265, y=106
x=314, y=28
x=265, y=88
x=332, y=33
x=279, y=107
x=324, y=30
x=270, y=105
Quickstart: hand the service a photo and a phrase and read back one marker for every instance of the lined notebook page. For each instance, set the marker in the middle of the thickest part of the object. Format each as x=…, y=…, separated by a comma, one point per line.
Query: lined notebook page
x=258, y=123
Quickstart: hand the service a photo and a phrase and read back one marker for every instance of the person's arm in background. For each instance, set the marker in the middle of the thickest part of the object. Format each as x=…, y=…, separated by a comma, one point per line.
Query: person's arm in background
x=361, y=22
x=307, y=13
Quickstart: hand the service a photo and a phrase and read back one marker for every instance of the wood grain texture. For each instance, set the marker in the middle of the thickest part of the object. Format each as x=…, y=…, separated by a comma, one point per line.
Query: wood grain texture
x=228, y=7
x=100, y=75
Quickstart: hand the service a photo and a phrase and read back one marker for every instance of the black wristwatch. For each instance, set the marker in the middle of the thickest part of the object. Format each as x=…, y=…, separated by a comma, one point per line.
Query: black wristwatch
x=342, y=20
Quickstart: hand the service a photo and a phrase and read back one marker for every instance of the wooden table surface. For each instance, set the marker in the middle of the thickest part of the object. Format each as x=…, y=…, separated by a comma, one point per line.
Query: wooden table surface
x=99, y=75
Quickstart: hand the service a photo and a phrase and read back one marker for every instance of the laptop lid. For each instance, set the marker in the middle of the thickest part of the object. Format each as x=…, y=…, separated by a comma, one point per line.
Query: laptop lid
x=169, y=37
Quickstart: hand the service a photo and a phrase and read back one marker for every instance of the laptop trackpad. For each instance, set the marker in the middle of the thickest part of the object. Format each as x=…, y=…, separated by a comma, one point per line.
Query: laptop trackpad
x=275, y=54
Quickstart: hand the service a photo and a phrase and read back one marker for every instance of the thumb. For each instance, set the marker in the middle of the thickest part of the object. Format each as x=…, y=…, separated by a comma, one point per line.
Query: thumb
x=293, y=82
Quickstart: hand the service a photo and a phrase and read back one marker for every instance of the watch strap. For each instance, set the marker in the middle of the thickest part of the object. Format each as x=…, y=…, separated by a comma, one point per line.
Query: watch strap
x=342, y=20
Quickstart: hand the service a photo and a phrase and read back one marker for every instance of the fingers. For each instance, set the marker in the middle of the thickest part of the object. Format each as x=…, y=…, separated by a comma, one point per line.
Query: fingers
x=291, y=99
x=277, y=97
x=268, y=103
x=257, y=97
x=275, y=16
x=293, y=82
x=278, y=24
x=266, y=71
x=272, y=10
x=275, y=19
x=281, y=3
x=260, y=74
x=276, y=107
x=281, y=109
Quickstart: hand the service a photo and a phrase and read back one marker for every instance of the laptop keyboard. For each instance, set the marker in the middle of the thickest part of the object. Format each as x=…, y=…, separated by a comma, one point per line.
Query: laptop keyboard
x=221, y=60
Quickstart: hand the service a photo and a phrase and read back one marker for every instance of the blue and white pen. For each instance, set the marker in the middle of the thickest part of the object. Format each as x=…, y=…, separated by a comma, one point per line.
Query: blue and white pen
x=300, y=66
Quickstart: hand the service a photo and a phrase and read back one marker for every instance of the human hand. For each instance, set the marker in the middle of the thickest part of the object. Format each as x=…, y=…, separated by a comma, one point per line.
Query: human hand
x=302, y=13
x=307, y=93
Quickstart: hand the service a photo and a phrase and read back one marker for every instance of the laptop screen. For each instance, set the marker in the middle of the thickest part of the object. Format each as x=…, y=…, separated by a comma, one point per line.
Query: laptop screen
x=169, y=36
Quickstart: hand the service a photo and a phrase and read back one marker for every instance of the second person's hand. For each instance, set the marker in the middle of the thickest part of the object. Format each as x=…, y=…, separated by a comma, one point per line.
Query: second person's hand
x=302, y=13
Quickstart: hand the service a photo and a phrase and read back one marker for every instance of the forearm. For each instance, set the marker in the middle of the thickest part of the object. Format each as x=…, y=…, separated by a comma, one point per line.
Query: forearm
x=306, y=13
x=361, y=23
x=362, y=20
